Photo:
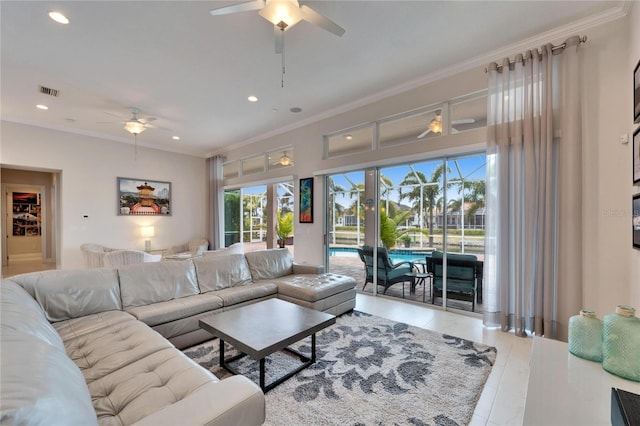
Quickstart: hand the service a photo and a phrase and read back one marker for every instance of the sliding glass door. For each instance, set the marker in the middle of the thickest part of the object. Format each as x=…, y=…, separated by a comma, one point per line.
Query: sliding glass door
x=429, y=214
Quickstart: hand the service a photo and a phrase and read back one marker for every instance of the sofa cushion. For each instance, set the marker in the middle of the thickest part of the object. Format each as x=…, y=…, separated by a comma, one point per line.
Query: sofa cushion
x=147, y=385
x=111, y=348
x=76, y=327
x=65, y=294
x=311, y=288
x=337, y=304
x=40, y=384
x=172, y=310
x=157, y=282
x=270, y=263
x=19, y=312
x=218, y=272
x=242, y=403
x=236, y=295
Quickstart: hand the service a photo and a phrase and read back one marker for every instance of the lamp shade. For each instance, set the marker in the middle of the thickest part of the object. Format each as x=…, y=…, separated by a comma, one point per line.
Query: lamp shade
x=277, y=11
x=436, y=124
x=284, y=160
x=147, y=231
x=135, y=127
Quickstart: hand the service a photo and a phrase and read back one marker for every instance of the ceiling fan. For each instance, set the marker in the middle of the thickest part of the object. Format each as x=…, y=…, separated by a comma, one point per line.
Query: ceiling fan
x=284, y=160
x=137, y=125
x=435, y=125
x=283, y=14
x=134, y=125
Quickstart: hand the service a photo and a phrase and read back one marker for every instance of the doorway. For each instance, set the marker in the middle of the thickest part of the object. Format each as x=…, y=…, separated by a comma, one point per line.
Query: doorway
x=28, y=220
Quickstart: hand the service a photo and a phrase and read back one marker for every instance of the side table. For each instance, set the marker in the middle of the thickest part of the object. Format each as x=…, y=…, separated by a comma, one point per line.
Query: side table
x=421, y=277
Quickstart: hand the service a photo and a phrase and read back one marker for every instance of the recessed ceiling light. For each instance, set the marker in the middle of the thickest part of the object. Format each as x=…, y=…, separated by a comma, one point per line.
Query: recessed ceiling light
x=348, y=137
x=252, y=98
x=59, y=17
x=295, y=109
x=40, y=106
x=175, y=138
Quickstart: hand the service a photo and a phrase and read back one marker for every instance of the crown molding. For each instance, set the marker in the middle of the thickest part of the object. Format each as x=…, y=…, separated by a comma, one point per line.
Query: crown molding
x=621, y=9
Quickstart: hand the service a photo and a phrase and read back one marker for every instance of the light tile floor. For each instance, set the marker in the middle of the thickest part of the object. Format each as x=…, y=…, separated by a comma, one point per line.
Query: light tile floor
x=503, y=397
x=15, y=268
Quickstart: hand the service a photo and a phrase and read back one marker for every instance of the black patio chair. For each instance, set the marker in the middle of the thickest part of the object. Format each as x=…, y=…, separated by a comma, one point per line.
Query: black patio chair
x=388, y=273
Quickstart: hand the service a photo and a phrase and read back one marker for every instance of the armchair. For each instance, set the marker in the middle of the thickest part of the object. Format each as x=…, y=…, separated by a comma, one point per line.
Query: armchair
x=461, y=276
x=118, y=258
x=93, y=254
x=193, y=247
x=388, y=272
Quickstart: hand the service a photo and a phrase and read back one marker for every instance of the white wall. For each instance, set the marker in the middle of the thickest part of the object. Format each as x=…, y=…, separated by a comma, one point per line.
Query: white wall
x=607, y=168
x=610, y=266
x=89, y=169
x=634, y=57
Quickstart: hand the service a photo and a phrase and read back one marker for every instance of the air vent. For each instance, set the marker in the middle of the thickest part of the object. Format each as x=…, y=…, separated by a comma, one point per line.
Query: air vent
x=49, y=91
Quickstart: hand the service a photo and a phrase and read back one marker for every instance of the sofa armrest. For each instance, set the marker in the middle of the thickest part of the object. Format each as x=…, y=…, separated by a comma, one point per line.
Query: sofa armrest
x=232, y=401
x=299, y=268
x=181, y=248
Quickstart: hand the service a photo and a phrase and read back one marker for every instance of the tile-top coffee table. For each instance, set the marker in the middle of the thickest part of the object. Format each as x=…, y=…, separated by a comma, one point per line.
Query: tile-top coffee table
x=263, y=328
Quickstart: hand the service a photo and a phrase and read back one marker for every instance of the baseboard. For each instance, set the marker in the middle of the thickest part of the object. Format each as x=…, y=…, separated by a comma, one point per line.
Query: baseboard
x=25, y=257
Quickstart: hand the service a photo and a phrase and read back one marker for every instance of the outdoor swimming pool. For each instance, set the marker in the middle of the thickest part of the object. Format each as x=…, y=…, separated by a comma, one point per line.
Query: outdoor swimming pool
x=395, y=255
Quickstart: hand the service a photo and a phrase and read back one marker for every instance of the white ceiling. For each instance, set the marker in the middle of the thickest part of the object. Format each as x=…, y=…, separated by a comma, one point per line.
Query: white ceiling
x=194, y=72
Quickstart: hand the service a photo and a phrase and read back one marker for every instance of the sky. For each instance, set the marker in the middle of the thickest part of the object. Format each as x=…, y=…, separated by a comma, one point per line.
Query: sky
x=472, y=168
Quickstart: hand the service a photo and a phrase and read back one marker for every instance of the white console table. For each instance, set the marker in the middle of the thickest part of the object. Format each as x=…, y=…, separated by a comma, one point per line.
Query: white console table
x=567, y=390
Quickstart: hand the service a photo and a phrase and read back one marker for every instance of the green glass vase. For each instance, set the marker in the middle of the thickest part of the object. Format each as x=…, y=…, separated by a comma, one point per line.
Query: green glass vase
x=585, y=336
x=621, y=343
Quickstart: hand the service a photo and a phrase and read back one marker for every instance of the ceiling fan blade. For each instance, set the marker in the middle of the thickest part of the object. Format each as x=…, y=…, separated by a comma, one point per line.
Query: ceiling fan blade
x=423, y=134
x=464, y=121
x=113, y=114
x=152, y=126
x=278, y=36
x=321, y=21
x=242, y=7
x=147, y=120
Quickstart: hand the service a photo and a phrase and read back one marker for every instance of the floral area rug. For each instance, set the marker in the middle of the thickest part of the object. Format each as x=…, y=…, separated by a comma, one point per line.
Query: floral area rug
x=369, y=371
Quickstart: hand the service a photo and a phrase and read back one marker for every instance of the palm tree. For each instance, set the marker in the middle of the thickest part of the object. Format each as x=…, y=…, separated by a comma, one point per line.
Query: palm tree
x=389, y=232
x=284, y=227
x=337, y=209
x=423, y=193
x=356, y=191
x=475, y=196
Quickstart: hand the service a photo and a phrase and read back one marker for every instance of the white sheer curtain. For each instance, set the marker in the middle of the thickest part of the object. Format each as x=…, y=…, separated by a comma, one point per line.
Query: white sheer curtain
x=533, y=261
x=215, y=229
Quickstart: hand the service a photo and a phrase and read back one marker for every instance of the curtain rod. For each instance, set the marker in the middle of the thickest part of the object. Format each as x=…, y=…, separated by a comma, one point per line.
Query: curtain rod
x=581, y=40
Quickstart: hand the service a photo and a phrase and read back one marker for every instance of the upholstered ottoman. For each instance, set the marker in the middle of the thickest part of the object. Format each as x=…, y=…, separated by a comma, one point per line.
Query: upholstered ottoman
x=331, y=293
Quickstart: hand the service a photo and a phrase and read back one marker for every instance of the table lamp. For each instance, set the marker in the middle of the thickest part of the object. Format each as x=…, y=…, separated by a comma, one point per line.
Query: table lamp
x=147, y=232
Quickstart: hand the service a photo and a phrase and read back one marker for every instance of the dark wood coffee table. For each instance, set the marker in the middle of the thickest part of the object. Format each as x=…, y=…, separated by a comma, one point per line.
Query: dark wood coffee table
x=262, y=328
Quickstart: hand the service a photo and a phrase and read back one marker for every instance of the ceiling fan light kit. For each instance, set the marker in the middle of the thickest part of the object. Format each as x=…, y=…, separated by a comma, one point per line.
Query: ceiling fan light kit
x=282, y=13
x=134, y=127
x=436, y=124
x=285, y=160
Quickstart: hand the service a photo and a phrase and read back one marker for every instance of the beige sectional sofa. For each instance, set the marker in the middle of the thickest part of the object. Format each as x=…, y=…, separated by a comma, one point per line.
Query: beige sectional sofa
x=79, y=346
